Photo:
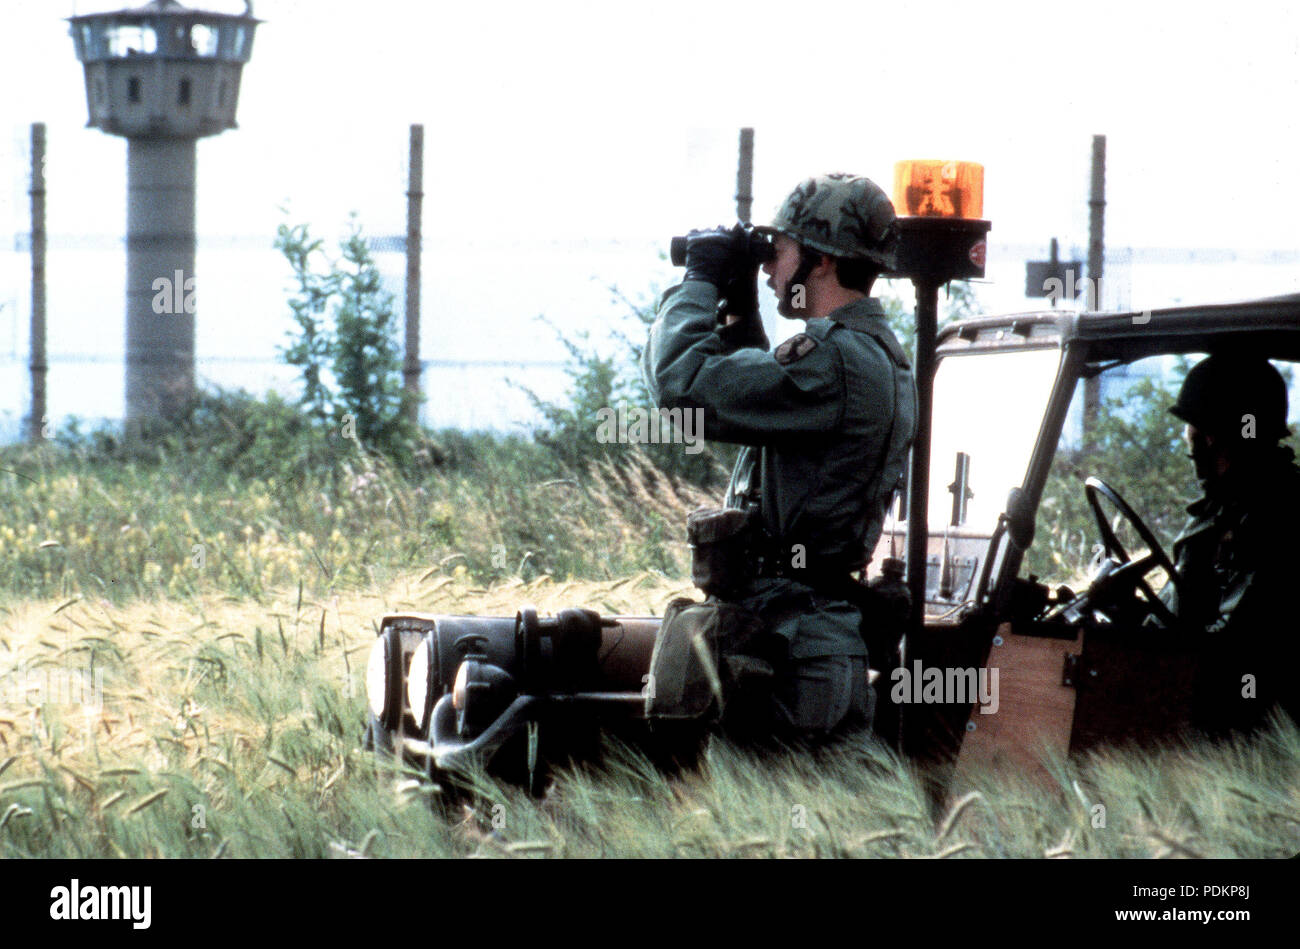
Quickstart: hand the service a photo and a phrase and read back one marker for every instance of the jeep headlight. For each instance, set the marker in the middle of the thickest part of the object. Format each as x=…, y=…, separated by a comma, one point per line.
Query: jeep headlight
x=419, y=687
x=384, y=679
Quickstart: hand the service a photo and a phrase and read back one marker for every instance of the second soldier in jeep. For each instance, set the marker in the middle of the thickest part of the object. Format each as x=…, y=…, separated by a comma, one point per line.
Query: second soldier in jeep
x=1237, y=557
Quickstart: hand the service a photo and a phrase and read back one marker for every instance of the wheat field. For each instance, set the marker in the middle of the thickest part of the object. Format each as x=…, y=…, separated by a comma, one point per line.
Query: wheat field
x=183, y=638
x=231, y=728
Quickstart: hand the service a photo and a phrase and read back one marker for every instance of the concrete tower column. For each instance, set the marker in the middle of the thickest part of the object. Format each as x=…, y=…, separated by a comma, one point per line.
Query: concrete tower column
x=160, y=287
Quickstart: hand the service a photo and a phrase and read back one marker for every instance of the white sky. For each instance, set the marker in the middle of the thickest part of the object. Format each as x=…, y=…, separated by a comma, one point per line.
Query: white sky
x=609, y=120
x=584, y=118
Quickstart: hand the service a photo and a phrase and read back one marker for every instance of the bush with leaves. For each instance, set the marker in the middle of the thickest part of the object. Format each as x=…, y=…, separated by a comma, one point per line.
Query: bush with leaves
x=599, y=382
x=346, y=344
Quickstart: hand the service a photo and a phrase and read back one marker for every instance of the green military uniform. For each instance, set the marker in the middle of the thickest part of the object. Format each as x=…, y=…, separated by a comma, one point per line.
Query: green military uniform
x=827, y=420
x=1238, y=561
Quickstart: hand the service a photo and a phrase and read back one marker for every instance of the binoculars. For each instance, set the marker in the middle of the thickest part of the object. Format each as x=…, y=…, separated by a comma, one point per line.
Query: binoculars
x=750, y=248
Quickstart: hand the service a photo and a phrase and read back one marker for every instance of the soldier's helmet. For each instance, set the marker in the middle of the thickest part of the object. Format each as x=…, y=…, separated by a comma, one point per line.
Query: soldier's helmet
x=1229, y=395
x=841, y=215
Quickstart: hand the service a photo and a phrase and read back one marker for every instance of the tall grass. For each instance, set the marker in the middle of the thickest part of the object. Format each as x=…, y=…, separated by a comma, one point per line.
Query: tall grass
x=183, y=520
x=226, y=588
x=230, y=728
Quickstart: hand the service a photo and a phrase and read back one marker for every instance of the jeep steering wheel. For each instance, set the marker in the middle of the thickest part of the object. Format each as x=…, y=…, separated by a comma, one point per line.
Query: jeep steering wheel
x=1132, y=570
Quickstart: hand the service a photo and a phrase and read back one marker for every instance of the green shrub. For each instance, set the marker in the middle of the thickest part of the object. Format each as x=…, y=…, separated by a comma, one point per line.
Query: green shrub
x=601, y=383
x=346, y=344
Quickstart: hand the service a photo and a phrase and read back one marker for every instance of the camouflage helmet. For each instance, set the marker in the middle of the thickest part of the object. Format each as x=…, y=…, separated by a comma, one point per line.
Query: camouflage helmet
x=1223, y=394
x=841, y=215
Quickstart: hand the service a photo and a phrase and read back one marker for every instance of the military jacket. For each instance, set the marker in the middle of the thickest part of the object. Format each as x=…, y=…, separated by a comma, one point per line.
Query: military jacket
x=1238, y=561
x=827, y=420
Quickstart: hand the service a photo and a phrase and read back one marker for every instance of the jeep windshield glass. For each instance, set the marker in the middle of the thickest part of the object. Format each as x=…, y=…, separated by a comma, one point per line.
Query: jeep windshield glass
x=988, y=408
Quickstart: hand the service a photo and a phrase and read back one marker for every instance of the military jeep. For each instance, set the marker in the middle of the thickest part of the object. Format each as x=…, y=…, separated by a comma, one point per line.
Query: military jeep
x=997, y=667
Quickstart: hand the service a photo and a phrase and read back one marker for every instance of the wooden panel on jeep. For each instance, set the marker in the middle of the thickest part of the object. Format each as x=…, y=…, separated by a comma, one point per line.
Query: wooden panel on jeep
x=1034, y=712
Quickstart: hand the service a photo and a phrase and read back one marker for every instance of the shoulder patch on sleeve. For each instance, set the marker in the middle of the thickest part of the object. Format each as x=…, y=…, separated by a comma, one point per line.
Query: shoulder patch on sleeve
x=794, y=349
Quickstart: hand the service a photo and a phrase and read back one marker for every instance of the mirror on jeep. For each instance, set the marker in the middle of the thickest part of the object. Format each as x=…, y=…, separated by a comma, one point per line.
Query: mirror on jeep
x=1020, y=518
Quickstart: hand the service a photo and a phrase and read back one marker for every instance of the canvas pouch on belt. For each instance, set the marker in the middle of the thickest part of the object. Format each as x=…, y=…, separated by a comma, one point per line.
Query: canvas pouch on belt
x=687, y=668
x=721, y=540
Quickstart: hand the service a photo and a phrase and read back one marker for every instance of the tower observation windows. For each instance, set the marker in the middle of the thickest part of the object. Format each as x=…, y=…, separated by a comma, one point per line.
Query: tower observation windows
x=130, y=39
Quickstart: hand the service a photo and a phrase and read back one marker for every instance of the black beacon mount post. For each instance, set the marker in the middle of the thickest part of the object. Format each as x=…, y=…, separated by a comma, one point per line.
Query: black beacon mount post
x=941, y=238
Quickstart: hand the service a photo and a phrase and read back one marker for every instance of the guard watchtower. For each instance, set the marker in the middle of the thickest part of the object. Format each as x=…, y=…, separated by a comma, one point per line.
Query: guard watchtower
x=162, y=76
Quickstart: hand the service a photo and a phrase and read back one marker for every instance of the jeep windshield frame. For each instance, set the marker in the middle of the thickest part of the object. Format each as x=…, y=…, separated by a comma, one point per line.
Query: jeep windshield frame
x=1090, y=342
x=978, y=539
